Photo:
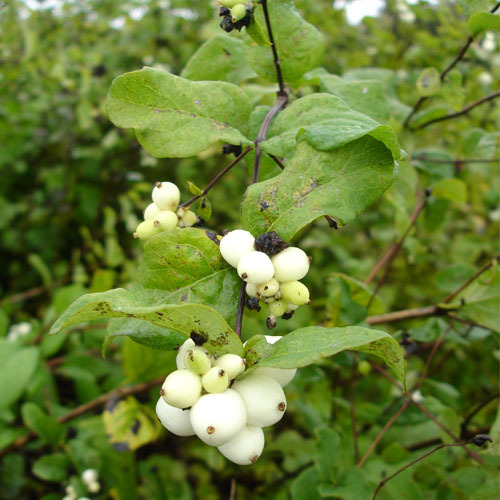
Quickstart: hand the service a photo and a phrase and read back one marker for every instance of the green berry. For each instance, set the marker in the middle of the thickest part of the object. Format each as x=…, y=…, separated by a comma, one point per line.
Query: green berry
x=197, y=361
x=238, y=12
x=277, y=308
x=364, y=367
x=268, y=289
x=229, y=3
x=146, y=230
x=166, y=220
x=295, y=292
x=215, y=380
x=188, y=219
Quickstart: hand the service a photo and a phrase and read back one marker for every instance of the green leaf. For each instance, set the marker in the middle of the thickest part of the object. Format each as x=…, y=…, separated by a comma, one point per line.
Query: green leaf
x=429, y=82
x=483, y=21
x=130, y=425
x=46, y=427
x=450, y=278
x=175, y=117
x=341, y=183
x=149, y=305
x=17, y=372
x=188, y=264
x=305, y=485
x=52, y=467
x=298, y=43
x=451, y=189
x=257, y=32
x=352, y=485
x=194, y=189
x=306, y=346
x=471, y=6
x=326, y=123
x=205, y=208
x=219, y=58
x=329, y=453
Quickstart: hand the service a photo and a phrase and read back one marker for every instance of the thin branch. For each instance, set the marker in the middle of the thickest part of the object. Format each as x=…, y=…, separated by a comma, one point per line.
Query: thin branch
x=86, y=407
x=277, y=64
x=389, y=257
x=241, y=308
x=456, y=161
x=438, y=440
x=474, y=412
x=232, y=490
x=383, y=482
x=462, y=112
x=217, y=178
x=28, y=294
x=442, y=76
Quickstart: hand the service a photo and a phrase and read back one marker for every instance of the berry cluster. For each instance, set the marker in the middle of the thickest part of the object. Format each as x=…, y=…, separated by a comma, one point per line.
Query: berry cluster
x=234, y=15
x=202, y=397
x=271, y=269
x=90, y=478
x=164, y=213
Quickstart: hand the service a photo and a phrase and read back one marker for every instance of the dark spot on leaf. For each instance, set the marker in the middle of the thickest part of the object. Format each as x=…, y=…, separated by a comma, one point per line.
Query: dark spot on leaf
x=135, y=427
x=264, y=206
x=184, y=297
x=121, y=446
x=212, y=236
x=198, y=338
x=112, y=403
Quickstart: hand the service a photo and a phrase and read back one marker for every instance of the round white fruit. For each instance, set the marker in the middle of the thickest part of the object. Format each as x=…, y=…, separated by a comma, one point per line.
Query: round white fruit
x=151, y=211
x=89, y=476
x=234, y=245
x=166, y=196
x=216, y=418
x=166, y=220
x=256, y=268
x=232, y=364
x=215, y=380
x=244, y=448
x=175, y=420
x=94, y=487
x=290, y=264
x=282, y=375
x=251, y=290
x=268, y=289
x=146, y=229
x=181, y=353
x=181, y=389
x=264, y=399
x=188, y=219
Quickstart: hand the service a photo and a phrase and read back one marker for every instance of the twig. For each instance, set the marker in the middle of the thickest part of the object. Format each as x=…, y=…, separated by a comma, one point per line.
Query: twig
x=216, y=179
x=442, y=76
x=389, y=257
x=241, y=308
x=352, y=402
x=28, y=294
x=456, y=161
x=232, y=490
x=277, y=64
x=474, y=412
x=462, y=112
x=86, y=407
x=383, y=482
x=438, y=440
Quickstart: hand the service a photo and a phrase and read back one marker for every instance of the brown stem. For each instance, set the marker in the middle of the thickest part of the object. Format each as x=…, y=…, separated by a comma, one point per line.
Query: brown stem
x=217, y=178
x=419, y=312
x=241, y=308
x=462, y=112
x=28, y=294
x=86, y=407
x=232, y=489
x=474, y=412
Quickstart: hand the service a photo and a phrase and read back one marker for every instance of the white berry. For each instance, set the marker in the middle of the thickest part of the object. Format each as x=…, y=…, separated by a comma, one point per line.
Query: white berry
x=166, y=195
x=151, y=211
x=94, y=487
x=181, y=389
x=89, y=476
x=232, y=364
x=246, y=447
x=234, y=245
x=282, y=375
x=146, y=229
x=290, y=264
x=215, y=380
x=188, y=219
x=264, y=399
x=166, y=220
x=174, y=419
x=256, y=268
x=251, y=290
x=216, y=418
x=268, y=289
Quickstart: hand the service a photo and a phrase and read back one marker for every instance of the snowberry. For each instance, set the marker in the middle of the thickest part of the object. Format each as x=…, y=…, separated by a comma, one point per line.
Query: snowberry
x=181, y=353
x=255, y=267
x=175, y=420
x=246, y=447
x=166, y=195
x=181, y=389
x=232, y=364
x=229, y=3
x=197, y=361
x=268, y=289
x=234, y=245
x=290, y=264
x=146, y=229
x=89, y=476
x=94, y=487
x=251, y=290
x=238, y=12
x=277, y=308
x=166, y=220
x=151, y=211
x=282, y=375
x=294, y=292
x=215, y=380
x=216, y=418
x=264, y=399
x=188, y=219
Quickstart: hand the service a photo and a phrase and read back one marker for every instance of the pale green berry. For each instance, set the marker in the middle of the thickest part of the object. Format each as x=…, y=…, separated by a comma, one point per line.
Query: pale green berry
x=238, y=12
x=151, y=211
x=181, y=389
x=232, y=364
x=166, y=195
x=294, y=292
x=146, y=230
x=269, y=300
x=215, y=380
x=181, y=353
x=188, y=219
x=89, y=476
x=235, y=244
x=246, y=447
x=264, y=399
x=291, y=307
x=364, y=367
x=197, y=361
x=290, y=264
x=268, y=289
x=256, y=268
x=216, y=418
x=277, y=308
x=94, y=487
x=229, y=3
x=166, y=220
